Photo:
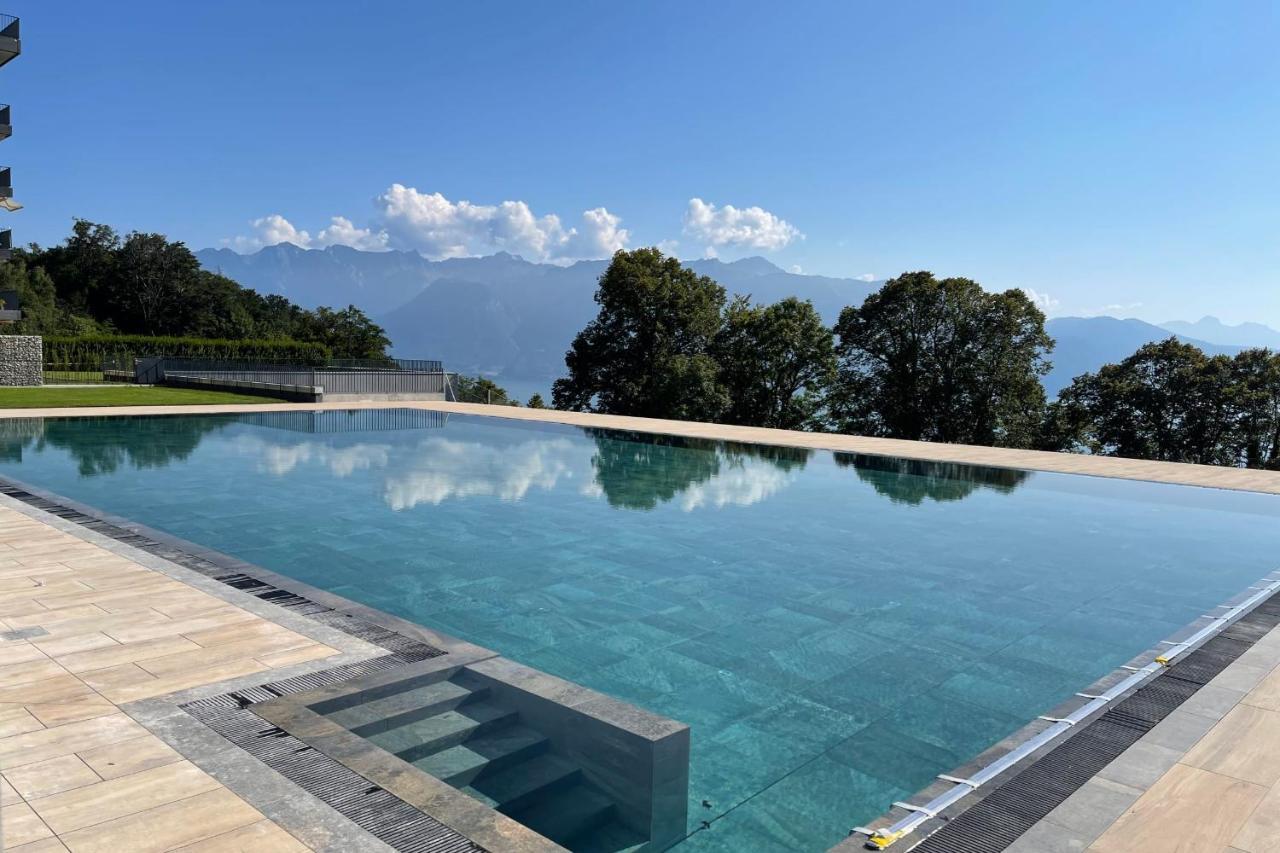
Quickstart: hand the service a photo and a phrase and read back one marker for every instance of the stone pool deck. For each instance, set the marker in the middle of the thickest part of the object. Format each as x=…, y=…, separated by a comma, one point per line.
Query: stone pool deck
x=88, y=632
x=83, y=765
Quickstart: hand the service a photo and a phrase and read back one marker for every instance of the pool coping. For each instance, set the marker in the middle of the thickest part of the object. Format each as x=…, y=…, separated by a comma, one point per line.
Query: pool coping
x=1175, y=473
x=940, y=827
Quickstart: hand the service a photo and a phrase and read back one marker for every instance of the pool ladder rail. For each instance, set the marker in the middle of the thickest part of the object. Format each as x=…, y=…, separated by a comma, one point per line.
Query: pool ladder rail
x=883, y=837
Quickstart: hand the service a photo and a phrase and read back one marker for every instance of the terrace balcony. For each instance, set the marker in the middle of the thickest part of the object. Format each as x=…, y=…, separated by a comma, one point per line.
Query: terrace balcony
x=6, y=244
x=6, y=182
x=10, y=44
x=6, y=128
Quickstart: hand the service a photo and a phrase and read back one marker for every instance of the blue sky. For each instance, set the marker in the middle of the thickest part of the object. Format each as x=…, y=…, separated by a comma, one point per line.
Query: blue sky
x=1116, y=157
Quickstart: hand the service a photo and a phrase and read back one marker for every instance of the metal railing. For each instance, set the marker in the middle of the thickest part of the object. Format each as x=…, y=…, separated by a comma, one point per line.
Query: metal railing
x=9, y=25
x=349, y=377
x=412, y=364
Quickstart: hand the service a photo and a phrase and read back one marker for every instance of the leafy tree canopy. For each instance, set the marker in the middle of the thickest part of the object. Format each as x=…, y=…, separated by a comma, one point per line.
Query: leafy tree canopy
x=97, y=282
x=1169, y=401
x=775, y=363
x=941, y=360
x=647, y=353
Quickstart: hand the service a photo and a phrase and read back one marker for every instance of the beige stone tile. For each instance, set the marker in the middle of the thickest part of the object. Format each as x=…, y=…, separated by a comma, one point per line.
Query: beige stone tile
x=261, y=837
x=203, y=657
x=1188, y=809
x=125, y=795
x=45, y=778
x=122, y=653
x=131, y=756
x=47, y=618
x=15, y=721
x=21, y=825
x=237, y=632
x=19, y=651
x=44, y=845
x=19, y=750
x=59, y=713
x=8, y=795
x=1245, y=744
x=289, y=657
x=60, y=688
x=57, y=646
x=24, y=607
x=228, y=615
x=125, y=674
x=1266, y=694
x=185, y=822
x=133, y=595
x=32, y=670
x=1261, y=832
x=183, y=681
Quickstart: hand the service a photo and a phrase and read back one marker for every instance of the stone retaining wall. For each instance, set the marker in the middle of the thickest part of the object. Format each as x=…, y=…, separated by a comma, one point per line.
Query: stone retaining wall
x=21, y=360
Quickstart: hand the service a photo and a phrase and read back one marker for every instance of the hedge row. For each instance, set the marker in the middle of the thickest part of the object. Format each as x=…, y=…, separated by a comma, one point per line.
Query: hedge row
x=92, y=349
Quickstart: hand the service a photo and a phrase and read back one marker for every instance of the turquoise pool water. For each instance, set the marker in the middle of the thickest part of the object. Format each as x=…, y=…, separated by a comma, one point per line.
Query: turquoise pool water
x=836, y=630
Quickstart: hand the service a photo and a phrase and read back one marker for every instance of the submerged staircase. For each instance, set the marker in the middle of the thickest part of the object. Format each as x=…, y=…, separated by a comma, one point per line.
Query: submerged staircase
x=457, y=732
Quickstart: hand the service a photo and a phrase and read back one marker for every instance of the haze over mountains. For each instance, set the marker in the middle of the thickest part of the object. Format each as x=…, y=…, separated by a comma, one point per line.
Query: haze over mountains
x=506, y=317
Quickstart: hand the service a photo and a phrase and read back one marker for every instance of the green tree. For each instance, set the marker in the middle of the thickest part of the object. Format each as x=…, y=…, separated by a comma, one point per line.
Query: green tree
x=1257, y=378
x=535, y=402
x=153, y=289
x=941, y=360
x=1169, y=401
x=775, y=363
x=478, y=389
x=647, y=352
x=349, y=333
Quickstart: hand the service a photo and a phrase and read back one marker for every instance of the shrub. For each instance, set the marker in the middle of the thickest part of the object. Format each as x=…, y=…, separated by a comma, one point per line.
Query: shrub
x=92, y=349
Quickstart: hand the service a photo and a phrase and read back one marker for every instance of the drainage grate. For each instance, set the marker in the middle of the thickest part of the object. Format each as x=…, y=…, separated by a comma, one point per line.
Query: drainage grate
x=369, y=806
x=998, y=819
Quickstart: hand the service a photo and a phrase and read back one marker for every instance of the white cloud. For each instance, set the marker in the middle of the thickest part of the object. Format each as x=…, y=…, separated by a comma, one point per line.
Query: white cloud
x=1043, y=301
x=866, y=276
x=743, y=228
x=739, y=485
x=438, y=227
x=343, y=232
x=669, y=247
x=274, y=229
x=444, y=469
x=797, y=269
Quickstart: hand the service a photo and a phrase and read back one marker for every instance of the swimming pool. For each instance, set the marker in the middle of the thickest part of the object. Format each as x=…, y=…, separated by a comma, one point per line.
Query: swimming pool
x=836, y=629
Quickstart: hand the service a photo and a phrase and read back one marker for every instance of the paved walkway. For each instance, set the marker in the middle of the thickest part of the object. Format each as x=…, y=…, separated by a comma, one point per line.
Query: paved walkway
x=78, y=774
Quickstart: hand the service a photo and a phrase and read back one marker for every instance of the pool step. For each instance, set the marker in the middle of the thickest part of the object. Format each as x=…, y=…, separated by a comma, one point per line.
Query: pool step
x=401, y=709
x=611, y=838
x=483, y=754
x=428, y=736
x=569, y=814
x=520, y=785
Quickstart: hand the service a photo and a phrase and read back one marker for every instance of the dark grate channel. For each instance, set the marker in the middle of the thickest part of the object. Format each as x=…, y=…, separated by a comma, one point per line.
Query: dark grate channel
x=998, y=819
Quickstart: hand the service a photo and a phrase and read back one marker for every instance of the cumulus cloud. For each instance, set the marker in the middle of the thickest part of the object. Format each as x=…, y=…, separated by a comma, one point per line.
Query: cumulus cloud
x=739, y=228
x=445, y=469
x=866, y=276
x=740, y=485
x=1043, y=301
x=274, y=229
x=438, y=227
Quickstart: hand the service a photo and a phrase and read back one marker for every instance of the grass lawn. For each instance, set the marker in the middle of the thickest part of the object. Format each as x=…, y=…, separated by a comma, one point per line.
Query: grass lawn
x=53, y=396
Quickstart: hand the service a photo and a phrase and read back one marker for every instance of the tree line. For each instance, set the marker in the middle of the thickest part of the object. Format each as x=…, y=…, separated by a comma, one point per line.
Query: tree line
x=923, y=358
x=99, y=283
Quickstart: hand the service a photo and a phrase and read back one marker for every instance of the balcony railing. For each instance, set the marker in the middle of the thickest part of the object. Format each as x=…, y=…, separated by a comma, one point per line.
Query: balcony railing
x=6, y=182
x=6, y=127
x=6, y=244
x=10, y=43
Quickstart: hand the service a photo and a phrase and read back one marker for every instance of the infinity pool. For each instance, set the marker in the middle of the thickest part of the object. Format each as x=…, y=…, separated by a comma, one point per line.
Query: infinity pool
x=836, y=629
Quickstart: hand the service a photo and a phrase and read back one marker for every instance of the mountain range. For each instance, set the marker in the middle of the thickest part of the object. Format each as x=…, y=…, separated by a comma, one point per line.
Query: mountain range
x=513, y=319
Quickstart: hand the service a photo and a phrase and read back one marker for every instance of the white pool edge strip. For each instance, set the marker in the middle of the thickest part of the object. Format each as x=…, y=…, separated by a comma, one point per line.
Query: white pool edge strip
x=879, y=839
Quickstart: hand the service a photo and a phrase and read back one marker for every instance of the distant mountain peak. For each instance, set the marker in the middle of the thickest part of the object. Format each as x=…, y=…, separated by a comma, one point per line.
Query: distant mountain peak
x=1210, y=328
x=754, y=265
